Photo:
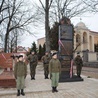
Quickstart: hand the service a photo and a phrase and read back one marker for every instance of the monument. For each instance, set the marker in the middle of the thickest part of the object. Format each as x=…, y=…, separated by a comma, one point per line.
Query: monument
x=6, y=77
x=66, y=46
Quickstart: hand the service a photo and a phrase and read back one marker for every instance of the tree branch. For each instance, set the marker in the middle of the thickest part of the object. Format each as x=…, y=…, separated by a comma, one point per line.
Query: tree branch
x=42, y=5
x=50, y=4
x=1, y=5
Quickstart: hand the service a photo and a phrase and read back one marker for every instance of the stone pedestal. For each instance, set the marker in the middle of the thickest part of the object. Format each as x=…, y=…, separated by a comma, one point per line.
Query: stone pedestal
x=7, y=77
x=66, y=46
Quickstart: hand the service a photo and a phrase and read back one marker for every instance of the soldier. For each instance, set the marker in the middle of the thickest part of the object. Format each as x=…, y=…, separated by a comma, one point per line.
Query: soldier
x=45, y=59
x=79, y=64
x=20, y=72
x=55, y=70
x=33, y=63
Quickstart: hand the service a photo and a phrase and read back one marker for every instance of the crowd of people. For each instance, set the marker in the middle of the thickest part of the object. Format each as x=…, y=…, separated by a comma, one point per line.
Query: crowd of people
x=51, y=65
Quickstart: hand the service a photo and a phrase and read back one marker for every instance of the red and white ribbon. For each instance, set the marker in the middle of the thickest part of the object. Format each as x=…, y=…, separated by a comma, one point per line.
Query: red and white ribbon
x=71, y=69
x=3, y=56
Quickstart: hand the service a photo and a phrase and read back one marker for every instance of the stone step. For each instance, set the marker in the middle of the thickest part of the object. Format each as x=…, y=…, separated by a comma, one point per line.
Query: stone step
x=7, y=79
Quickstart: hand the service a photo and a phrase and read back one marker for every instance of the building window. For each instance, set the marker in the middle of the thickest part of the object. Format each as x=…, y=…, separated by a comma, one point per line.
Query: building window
x=84, y=37
x=77, y=38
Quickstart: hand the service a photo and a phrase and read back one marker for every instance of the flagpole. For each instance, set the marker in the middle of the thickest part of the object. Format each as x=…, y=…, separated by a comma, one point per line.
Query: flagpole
x=59, y=39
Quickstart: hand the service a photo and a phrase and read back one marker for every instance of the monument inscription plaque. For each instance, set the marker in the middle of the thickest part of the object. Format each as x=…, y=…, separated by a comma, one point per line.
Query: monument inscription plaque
x=67, y=47
x=66, y=32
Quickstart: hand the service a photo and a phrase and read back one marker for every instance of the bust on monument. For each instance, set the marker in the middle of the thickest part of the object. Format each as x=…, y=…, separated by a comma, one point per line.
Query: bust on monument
x=65, y=20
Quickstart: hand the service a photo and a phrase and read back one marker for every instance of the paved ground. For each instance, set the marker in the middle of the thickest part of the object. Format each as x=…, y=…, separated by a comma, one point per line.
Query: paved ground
x=89, y=72
x=41, y=88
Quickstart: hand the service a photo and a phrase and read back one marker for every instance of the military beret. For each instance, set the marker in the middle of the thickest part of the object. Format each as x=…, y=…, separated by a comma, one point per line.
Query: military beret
x=78, y=52
x=16, y=56
x=54, y=53
x=20, y=56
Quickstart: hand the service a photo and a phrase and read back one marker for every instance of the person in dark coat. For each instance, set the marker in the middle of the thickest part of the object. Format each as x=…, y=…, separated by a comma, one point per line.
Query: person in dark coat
x=55, y=70
x=20, y=73
x=79, y=63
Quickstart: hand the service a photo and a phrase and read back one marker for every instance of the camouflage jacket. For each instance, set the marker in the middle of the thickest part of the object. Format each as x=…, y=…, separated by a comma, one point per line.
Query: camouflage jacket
x=33, y=59
x=45, y=59
x=78, y=61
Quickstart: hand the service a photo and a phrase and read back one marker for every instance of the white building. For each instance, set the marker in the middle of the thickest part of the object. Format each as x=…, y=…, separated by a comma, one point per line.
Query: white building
x=87, y=39
x=84, y=38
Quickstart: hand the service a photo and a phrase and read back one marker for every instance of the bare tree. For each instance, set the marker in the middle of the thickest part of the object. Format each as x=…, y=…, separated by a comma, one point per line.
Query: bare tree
x=46, y=8
x=3, y=7
x=56, y=9
x=68, y=8
x=92, y=5
x=19, y=16
x=78, y=44
x=13, y=40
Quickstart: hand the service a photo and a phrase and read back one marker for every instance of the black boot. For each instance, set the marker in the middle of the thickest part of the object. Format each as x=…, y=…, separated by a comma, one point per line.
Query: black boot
x=18, y=92
x=55, y=89
x=47, y=77
x=22, y=92
x=33, y=78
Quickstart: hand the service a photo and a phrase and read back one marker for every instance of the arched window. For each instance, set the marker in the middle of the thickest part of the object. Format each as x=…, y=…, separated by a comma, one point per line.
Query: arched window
x=77, y=38
x=84, y=37
x=91, y=46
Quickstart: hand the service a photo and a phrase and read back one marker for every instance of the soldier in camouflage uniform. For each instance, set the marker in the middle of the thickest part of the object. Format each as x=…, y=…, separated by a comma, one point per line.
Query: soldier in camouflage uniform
x=79, y=64
x=33, y=59
x=20, y=72
x=45, y=59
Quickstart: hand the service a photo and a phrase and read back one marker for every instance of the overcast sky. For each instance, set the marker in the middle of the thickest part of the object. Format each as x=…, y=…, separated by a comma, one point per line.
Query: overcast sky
x=90, y=20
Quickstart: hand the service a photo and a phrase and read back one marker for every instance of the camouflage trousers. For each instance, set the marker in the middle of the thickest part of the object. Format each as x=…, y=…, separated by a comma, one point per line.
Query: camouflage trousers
x=32, y=70
x=46, y=70
x=79, y=68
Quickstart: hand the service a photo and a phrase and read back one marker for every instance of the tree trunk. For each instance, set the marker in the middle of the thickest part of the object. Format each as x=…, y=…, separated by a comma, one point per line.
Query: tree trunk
x=11, y=50
x=16, y=43
x=47, y=26
x=6, y=42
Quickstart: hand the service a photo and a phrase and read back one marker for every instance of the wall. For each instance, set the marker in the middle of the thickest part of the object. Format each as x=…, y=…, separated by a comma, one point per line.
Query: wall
x=41, y=41
x=95, y=39
x=92, y=56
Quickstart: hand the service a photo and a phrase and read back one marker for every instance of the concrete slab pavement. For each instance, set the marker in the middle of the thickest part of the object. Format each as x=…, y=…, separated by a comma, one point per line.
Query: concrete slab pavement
x=41, y=88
